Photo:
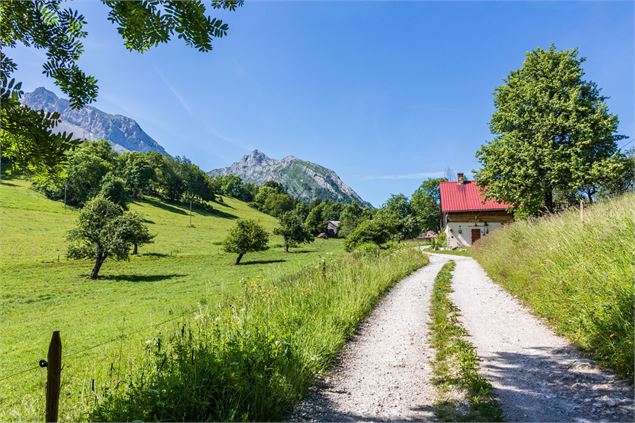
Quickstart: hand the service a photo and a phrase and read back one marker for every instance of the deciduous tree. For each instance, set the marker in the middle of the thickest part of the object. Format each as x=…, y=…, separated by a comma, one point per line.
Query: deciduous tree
x=554, y=135
x=292, y=230
x=103, y=231
x=244, y=237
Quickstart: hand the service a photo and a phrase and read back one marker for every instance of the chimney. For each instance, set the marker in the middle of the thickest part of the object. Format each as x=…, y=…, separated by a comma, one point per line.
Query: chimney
x=460, y=177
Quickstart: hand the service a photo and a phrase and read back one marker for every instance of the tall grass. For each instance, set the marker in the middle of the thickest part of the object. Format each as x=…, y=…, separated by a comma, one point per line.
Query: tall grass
x=577, y=275
x=254, y=357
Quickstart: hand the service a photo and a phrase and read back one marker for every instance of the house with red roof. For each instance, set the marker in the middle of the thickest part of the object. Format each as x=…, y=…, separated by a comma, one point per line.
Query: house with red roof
x=466, y=215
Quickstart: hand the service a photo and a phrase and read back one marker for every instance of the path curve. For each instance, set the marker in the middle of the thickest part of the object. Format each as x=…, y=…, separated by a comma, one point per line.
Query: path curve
x=537, y=376
x=384, y=372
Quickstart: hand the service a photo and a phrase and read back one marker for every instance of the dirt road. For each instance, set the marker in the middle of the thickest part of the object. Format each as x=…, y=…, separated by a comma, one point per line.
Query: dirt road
x=384, y=373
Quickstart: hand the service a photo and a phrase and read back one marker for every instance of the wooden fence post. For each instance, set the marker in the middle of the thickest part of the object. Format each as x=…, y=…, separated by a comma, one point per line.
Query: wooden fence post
x=53, y=377
x=582, y=211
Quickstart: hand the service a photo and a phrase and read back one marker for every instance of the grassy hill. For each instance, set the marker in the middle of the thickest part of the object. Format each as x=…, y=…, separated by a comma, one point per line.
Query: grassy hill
x=182, y=273
x=577, y=275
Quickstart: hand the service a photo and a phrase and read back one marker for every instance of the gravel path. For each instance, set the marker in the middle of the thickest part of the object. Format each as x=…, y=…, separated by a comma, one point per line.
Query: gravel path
x=536, y=375
x=384, y=372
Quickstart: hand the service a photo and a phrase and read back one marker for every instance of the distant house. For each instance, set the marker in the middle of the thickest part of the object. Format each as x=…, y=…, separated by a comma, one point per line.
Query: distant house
x=466, y=216
x=332, y=228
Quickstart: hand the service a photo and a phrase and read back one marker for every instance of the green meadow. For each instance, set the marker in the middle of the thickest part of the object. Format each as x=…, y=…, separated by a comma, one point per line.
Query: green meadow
x=105, y=324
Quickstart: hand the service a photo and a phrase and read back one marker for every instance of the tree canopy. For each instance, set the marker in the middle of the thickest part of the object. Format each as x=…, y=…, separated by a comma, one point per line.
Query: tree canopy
x=244, y=237
x=426, y=204
x=554, y=136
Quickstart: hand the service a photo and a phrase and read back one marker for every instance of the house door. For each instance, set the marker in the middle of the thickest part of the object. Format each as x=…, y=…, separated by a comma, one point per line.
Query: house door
x=476, y=235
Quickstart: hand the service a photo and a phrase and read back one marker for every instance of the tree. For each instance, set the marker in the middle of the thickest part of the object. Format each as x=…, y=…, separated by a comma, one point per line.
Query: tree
x=316, y=220
x=554, y=135
x=246, y=236
x=134, y=230
x=113, y=188
x=277, y=204
x=137, y=171
x=368, y=231
x=103, y=230
x=352, y=215
x=426, y=203
x=292, y=230
x=398, y=218
x=87, y=166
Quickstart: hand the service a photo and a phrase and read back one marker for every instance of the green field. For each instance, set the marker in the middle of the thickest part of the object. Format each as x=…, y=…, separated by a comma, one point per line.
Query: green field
x=181, y=274
x=577, y=275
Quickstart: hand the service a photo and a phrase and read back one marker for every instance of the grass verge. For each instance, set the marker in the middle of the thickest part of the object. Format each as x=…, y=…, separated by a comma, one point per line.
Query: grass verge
x=253, y=357
x=463, y=394
x=576, y=275
x=463, y=252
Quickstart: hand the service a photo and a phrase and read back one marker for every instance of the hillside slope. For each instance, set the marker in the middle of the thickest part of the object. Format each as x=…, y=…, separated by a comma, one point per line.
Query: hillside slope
x=90, y=123
x=578, y=276
x=182, y=273
x=302, y=179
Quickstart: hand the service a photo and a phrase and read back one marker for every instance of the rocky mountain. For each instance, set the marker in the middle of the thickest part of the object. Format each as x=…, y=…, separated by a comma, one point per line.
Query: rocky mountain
x=90, y=123
x=301, y=179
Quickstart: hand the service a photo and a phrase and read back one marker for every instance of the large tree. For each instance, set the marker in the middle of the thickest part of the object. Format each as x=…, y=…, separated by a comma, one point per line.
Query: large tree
x=105, y=231
x=554, y=136
x=59, y=31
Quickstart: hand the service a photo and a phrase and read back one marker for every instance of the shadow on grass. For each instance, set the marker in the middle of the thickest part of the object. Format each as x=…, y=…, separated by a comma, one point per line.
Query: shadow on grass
x=154, y=255
x=141, y=278
x=7, y=183
x=246, y=263
x=163, y=205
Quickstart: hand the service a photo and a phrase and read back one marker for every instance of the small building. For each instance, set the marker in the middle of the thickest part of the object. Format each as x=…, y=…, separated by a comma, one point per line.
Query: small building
x=428, y=235
x=332, y=228
x=466, y=216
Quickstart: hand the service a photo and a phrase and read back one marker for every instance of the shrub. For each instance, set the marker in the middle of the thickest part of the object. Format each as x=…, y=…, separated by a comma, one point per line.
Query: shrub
x=367, y=249
x=578, y=276
x=367, y=231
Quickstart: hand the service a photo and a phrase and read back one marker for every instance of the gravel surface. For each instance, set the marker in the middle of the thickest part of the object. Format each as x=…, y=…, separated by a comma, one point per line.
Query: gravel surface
x=537, y=376
x=383, y=373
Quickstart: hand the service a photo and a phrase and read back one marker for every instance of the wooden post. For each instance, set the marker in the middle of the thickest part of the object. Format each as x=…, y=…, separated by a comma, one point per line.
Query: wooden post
x=190, y=211
x=582, y=211
x=53, y=377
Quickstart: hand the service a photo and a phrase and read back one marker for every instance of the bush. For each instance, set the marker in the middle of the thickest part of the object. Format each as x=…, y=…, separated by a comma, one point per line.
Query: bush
x=367, y=249
x=368, y=231
x=254, y=358
x=578, y=276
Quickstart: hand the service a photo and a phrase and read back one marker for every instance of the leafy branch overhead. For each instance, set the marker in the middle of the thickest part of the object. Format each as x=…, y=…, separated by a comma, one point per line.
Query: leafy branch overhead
x=142, y=25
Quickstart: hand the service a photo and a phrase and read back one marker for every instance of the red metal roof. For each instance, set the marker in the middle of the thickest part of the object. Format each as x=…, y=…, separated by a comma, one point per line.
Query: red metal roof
x=465, y=197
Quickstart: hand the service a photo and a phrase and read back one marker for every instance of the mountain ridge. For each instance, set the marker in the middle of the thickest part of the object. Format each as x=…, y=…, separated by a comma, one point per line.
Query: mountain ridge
x=91, y=123
x=302, y=179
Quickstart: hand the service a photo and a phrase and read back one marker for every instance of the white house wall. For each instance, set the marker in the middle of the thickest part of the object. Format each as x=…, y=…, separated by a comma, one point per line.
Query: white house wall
x=464, y=239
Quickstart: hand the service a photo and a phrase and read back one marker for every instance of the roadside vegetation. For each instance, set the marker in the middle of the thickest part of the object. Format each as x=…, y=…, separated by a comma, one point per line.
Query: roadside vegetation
x=462, y=393
x=253, y=357
x=577, y=275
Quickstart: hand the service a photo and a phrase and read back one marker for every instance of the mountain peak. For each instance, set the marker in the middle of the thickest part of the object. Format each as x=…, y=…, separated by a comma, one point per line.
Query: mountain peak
x=304, y=180
x=90, y=123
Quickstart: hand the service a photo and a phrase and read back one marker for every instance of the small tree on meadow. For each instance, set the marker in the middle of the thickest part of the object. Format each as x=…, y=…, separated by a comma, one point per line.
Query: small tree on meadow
x=292, y=230
x=246, y=236
x=133, y=228
x=103, y=230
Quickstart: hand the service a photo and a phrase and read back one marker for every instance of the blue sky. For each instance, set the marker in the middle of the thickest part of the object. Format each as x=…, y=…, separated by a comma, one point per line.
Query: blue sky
x=384, y=93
